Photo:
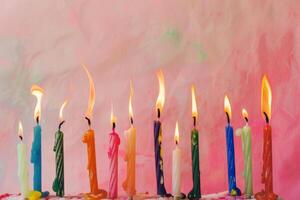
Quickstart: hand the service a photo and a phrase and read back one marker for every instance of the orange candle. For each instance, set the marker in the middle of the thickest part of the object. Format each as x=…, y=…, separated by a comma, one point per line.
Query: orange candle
x=89, y=139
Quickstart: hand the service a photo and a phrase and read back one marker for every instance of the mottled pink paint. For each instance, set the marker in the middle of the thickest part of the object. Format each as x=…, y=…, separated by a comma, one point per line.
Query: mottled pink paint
x=220, y=46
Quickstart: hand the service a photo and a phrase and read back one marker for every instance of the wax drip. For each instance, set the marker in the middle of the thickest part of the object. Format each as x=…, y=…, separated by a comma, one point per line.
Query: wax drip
x=89, y=121
x=194, y=121
x=60, y=124
x=267, y=118
x=228, y=118
x=158, y=113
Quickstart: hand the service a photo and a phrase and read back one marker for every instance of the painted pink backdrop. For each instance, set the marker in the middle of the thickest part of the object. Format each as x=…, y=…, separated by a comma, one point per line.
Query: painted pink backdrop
x=220, y=46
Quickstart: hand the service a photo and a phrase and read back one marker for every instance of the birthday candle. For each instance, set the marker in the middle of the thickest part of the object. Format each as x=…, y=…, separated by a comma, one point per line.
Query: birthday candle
x=114, y=142
x=130, y=154
x=22, y=164
x=176, y=166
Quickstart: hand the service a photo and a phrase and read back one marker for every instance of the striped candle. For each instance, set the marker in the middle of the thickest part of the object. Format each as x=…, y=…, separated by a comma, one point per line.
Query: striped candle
x=58, y=185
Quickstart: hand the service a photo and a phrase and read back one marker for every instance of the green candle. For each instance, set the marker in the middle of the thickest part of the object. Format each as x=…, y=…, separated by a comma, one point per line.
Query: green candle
x=245, y=134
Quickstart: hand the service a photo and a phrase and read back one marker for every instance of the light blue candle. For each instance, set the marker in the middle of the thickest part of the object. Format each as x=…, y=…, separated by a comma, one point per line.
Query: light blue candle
x=36, y=158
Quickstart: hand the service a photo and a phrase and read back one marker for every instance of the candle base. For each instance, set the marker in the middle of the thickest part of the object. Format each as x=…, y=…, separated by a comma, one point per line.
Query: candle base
x=101, y=194
x=265, y=196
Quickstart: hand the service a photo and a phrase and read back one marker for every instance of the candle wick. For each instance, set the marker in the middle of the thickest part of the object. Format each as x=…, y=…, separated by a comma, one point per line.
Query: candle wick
x=131, y=120
x=37, y=119
x=158, y=113
x=60, y=124
x=114, y=126
x=228, y=118
x=21, y=138
x=246, y=119
x=194, y=119
x=176, y=142
x=89, y=121
x=267, y=118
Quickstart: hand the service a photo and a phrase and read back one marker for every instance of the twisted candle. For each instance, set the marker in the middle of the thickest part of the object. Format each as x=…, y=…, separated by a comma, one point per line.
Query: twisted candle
x=114, y=143
x=58, y=185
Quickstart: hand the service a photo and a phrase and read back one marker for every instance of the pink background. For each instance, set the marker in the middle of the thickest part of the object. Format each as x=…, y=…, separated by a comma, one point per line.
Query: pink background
x=220, y=46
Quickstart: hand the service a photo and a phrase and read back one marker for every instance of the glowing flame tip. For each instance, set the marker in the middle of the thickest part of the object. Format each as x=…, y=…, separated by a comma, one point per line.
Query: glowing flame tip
x=38, y=92
x=194, y=103
x=61, y=110
x=266, y=97
x=161, y=96
x=91, y=102
x=176, y=136
x=227, y=107
x=20, y=130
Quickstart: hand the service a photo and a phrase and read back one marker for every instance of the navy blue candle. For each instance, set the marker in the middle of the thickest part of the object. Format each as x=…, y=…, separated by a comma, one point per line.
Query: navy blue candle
x=233, y=190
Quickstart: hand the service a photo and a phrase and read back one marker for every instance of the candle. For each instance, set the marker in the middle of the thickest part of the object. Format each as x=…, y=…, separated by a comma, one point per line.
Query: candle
x=114, y=142
x=89, y=138
x=176, y=166
x=233, y=190
x=59, y=183
x=195, y=193
x=245, y=133
x=22, y=164
x=267, y=174
x=160, y=183
x=36, y=150
x=130, y=138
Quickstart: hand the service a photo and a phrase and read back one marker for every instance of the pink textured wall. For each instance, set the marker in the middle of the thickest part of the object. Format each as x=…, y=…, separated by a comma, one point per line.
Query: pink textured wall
x=220, y=46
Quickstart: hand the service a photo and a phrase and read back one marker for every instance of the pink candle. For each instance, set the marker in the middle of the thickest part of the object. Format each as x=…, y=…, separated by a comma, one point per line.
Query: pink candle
x=114, y=142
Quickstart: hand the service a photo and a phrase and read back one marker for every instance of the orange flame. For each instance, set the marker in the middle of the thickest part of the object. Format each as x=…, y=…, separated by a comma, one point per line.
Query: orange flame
x=113, y=118
x=38, y=92
x=89, y=111
x=130, y=101
x=194, y=103
x=266, y=97
x=61, y=110
x=227, y=107
x=244, y=113
x=176, y=135
x=161, y=96
x=20, y=131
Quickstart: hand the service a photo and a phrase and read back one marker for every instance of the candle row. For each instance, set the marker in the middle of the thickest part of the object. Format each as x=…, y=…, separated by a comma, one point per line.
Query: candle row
x=130, y=155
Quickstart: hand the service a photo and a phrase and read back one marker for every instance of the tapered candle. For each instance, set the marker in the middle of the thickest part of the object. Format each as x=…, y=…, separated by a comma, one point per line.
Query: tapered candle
x=176, y=166
x=245, y=133
x=59, y=181
x=130, y=154
x=22, y=164
x=267, y=173
x=195, y=193
x=160, y=182
x=36, y=150
x=113, y=151
x=89, y=139
x=233, y=190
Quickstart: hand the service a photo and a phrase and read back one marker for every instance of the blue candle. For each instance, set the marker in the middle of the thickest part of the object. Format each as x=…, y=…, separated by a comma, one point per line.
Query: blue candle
x=36, y=150
x=233, y=190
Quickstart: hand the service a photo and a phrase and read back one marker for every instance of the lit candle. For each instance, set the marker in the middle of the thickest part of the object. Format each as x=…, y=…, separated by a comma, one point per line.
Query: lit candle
x=59, y=181
x=267, y=174
x=114, y=142
x=130, y=138
x=22, y=164
x=195, y=193
x=233, y=190
x=176, y=166
x=36, y=150
x=89, y=138
x=160, y=183
x=245, y=133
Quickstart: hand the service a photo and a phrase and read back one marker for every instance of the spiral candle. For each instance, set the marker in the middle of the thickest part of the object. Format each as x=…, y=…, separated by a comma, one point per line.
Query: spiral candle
x=114, y=143
x=58, y=185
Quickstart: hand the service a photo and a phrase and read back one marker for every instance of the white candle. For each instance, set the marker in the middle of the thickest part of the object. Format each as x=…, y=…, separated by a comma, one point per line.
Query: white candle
x=176, y=166
x=22, y=164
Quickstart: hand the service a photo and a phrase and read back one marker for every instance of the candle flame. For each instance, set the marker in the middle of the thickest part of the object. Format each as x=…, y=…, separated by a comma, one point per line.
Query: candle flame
x=113, y=118
x=266, y=97
x=130, y=101
x=62, y=109
x=227, y=107
x=89, y=111
x=176, y=135
x=38, y=92
x=194, y=103
x=161, y=96
x=245, y=113
x=20, y=131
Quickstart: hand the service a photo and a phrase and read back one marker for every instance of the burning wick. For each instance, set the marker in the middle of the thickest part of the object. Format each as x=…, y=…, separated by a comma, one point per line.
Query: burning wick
x=89, y=121
x=267, y=118
x=158, y=113
x=113, y=125
x=228, y=119
x=194, y=121
x=131, y=120
x=37, y=119
x=60, y=124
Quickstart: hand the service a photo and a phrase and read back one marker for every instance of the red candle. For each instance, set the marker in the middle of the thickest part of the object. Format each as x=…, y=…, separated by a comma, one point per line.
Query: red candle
x=267, y=175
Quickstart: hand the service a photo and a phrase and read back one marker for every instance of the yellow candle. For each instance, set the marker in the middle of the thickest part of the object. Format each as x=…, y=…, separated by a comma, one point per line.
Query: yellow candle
x=130, y=152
